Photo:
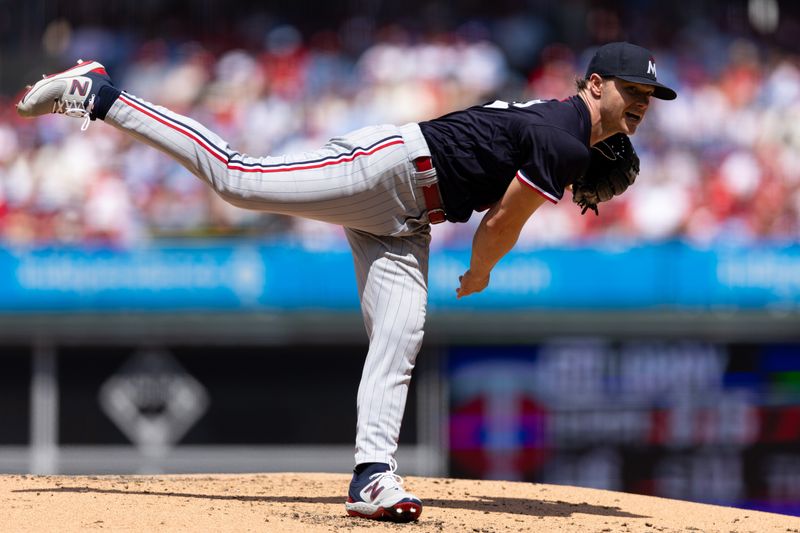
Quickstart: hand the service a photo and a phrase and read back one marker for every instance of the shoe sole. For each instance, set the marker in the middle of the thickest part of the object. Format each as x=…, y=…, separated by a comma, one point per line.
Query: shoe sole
x=78, y=70
x=399, y=512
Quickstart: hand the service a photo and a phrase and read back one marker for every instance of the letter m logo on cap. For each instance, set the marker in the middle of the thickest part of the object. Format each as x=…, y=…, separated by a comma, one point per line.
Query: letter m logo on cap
x=80, y=87
x=651, y=67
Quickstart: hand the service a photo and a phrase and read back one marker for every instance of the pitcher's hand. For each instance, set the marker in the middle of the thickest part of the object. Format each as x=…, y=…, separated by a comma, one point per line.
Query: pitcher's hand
x=471, y=283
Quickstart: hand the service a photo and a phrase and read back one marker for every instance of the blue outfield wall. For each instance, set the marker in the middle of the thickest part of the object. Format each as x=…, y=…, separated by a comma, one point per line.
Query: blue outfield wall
x=251, y=276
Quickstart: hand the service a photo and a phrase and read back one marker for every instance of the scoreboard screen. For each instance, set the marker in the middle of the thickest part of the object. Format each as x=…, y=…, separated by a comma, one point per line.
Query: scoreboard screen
x=691, y=420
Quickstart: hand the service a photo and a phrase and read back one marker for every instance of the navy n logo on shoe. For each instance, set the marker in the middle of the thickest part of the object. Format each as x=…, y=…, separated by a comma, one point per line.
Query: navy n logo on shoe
x=82, y=88
x=374, y=490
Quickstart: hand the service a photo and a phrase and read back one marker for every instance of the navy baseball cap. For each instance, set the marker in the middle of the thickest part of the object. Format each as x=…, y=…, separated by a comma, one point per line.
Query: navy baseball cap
x=628, y=62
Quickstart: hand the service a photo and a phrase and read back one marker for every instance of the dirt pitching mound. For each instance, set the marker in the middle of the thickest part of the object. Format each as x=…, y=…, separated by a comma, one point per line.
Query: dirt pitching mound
x=314, y=502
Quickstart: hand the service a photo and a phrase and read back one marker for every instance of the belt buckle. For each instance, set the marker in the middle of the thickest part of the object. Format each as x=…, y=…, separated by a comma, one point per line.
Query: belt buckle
x=436, y=216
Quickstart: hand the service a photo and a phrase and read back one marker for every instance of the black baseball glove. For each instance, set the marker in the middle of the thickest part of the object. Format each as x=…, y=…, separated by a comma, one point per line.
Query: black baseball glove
x=612, y=169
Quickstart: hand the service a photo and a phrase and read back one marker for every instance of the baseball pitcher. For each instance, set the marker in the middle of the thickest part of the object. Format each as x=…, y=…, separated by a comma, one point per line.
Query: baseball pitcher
x=385, y=185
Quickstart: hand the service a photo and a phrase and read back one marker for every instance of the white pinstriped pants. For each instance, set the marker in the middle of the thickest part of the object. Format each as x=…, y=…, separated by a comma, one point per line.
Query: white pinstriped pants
x=364, y=181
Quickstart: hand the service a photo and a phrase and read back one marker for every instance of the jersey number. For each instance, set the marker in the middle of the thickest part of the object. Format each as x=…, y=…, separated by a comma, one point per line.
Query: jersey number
x=502, y=104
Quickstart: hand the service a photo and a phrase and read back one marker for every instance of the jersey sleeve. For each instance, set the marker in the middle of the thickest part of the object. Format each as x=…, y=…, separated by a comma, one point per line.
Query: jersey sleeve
x=553, y=160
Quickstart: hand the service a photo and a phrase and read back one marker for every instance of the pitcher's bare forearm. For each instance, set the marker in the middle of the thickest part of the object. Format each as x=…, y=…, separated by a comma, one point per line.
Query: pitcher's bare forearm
x=497, y=234
x=490, y=243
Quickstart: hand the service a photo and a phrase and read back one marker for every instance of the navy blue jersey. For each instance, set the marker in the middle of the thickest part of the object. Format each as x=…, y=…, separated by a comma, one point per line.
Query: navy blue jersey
x=478, y=151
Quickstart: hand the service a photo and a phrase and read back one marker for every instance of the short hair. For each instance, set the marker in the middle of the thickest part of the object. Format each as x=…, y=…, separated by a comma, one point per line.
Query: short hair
x=583, y=83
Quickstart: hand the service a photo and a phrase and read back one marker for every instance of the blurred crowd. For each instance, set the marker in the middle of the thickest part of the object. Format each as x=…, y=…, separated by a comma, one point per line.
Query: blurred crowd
x=719, y=164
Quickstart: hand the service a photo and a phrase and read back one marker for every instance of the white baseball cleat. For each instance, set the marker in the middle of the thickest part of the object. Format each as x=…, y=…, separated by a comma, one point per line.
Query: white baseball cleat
x=378, y=493
x=71, y=92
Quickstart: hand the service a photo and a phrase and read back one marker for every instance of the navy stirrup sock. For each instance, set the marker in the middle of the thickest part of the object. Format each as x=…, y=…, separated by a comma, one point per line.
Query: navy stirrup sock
x=106, y=97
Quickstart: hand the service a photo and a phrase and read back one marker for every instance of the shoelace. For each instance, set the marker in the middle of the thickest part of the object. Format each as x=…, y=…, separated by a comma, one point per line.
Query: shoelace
x=389, y=473
x=76, y=110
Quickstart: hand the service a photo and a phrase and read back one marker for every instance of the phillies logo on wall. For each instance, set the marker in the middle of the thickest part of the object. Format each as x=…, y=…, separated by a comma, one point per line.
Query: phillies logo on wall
x=81, y=88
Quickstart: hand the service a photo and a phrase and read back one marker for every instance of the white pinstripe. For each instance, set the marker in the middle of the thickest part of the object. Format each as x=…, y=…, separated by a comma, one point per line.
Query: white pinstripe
x=364, y=181
x=392, y=282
